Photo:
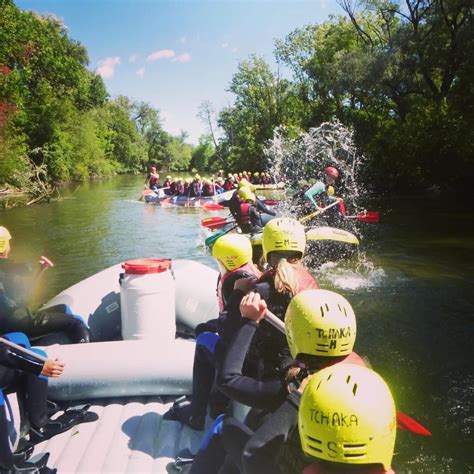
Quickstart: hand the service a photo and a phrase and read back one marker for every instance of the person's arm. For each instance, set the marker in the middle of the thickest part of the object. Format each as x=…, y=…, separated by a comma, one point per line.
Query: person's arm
x=314, y=190
x=263, y=208
x=230, y=379
x=240, y=388
x=13, y=359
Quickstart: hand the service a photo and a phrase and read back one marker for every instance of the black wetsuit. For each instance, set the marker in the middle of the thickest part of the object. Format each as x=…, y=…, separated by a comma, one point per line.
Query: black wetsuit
x=15, y=317
x=20, y=373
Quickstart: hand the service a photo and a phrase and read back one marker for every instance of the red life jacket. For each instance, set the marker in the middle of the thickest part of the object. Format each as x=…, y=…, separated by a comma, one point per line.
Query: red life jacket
x=247, y=268
x=154, y=180
x=319, y=469
x=244, y=213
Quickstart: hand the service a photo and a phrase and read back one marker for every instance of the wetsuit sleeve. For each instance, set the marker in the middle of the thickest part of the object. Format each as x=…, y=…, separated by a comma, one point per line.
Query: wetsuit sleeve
x=246, y=390
x=259, y=452
x=230, y=319
x=13, y=359
x=261, y=207
x=315, y=189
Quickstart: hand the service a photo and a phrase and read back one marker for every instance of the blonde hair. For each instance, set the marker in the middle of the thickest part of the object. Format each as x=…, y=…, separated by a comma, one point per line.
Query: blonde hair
x=285, y=279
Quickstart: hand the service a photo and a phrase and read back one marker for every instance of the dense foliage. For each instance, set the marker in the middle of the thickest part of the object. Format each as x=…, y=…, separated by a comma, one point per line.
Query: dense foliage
x=401, y=74
x=56, y=119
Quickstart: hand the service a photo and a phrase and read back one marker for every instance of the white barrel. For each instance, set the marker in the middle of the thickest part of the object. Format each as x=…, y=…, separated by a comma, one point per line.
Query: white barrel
x=147, y=300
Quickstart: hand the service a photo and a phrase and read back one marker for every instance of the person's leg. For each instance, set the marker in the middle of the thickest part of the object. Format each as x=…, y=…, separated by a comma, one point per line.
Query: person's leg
x=6, y=456
x=235, y=436
x=48, y=321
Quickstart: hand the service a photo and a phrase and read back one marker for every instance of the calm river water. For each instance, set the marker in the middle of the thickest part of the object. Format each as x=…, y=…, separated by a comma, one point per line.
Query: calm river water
x=411, y=288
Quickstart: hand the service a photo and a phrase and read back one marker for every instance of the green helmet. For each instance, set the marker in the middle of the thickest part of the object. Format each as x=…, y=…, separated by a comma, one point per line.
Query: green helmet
x=347, y=415
x=320, y=323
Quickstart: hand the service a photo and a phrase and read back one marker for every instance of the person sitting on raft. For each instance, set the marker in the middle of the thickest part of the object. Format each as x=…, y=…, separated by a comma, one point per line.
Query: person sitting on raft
x=15, y=317
x=317, y=338
x=233, y=254
x=28, y=376
x=153, y=179
x=326, y=195
x=196, y=187
x=219, y=185
x=253, y=214
x=207, y=188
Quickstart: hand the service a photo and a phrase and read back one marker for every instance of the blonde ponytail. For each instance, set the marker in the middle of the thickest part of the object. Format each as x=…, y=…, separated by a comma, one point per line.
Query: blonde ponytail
x=286, y=281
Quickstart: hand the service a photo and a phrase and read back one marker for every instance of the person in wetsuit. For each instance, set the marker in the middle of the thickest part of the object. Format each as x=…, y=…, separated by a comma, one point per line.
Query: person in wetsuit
x=14, y=317
x=233, y=254
x=253, y=214
x=28, y=376
x=325, y=194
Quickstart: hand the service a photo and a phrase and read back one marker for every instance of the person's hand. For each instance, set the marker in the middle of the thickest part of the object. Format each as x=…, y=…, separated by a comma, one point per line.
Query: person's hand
x=253, y=307
x=245, y=284
x=304, y=382
x=53, y=368
x=45, y=262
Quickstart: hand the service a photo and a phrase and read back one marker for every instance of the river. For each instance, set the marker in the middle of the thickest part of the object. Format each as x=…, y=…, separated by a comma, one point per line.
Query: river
x=411, y=289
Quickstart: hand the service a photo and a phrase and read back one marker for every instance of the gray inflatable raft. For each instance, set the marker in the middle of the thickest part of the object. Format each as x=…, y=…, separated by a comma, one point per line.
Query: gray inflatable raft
x=112, y=367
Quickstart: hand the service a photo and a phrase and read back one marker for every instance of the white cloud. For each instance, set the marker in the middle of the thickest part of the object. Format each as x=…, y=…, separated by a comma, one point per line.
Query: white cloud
x=182, y=58
x=140, y=72
x=106, y=67
x=161, y=54
x=183, y=40
x=234, y=50
x=224, y=45
x=132, y=58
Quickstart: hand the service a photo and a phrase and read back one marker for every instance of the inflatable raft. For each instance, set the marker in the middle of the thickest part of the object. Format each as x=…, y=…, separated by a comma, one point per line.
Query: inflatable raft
x=159, y=197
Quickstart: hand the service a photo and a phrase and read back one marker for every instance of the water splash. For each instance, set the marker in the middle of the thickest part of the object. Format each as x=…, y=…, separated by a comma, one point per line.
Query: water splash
x=343, y=274
x=303, y=160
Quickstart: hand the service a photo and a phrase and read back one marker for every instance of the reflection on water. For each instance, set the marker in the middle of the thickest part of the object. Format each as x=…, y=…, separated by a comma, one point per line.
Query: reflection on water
x=411, y=288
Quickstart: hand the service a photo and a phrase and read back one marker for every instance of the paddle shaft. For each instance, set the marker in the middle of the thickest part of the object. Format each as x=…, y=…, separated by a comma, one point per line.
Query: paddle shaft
x=23, y=350
x=318, y=212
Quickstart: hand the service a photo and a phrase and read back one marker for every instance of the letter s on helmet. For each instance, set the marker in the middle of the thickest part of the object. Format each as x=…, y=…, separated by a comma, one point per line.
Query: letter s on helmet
x=320, y=323
x=347, y=415
x=330, y=170
x=232, y=250
x=283, y=234
x=5, y=237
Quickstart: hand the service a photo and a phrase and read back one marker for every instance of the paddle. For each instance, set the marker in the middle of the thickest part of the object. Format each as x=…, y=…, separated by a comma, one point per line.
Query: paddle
x=318, y=212
x=403, y=420
x=212, y=206
x=210, y=241
x=22, y=349
x=215, y=222
x=365, y=216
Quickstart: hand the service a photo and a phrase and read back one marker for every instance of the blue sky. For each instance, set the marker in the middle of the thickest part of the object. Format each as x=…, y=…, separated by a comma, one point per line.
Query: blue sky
x=176, y=54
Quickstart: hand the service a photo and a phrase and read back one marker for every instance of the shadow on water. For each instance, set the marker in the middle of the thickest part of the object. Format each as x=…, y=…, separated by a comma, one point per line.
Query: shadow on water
x=411, y=288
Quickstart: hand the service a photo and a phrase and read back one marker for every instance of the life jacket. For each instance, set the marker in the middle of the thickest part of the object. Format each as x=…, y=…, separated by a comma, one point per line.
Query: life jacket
x=154, y=180
x=319, y=469
x=244, y=214
x=167, y=183
x=223, y=290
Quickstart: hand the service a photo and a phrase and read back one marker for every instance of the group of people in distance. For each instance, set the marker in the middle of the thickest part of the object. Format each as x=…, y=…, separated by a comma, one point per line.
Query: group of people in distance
x=315, y=405
x=198, y=186
x=27, y=372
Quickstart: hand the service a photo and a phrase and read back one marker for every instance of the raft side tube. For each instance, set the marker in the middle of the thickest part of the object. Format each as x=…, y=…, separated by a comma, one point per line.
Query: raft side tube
x=122, y=368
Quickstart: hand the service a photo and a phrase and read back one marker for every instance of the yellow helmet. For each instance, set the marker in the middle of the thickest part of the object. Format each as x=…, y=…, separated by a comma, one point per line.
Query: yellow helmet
x=256, y=173
x=232, y=250
x=246, y=194
x=283, y=234
x=330, y=191
x=320, y=323
x=347, y=415
x=197, y=176
x=5, y=237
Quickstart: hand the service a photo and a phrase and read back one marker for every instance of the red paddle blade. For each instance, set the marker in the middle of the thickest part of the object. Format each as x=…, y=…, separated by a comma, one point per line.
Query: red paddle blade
x=371, y=217
x=405, y=422
x=212, y=206
x=214, y=222
x=271, y=202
